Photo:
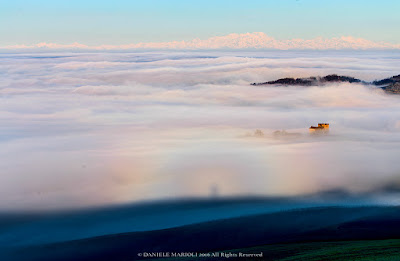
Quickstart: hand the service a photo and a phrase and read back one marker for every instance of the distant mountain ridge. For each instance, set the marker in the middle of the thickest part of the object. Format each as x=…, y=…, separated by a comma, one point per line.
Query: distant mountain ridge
x=389, y=85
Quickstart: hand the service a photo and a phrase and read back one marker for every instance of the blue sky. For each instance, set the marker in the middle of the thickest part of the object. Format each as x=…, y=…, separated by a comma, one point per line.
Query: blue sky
x=123, y=21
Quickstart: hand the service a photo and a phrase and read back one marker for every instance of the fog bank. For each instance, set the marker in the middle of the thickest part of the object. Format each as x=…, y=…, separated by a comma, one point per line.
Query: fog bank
x=102, y=128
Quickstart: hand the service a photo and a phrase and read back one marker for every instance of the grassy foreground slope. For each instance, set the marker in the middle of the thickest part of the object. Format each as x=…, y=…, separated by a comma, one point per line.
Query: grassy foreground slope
x=316, y=251
x=302, y=234
x=341, y=250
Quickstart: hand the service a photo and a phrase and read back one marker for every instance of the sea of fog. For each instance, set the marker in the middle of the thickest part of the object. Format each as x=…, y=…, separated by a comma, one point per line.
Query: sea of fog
x=86, y=129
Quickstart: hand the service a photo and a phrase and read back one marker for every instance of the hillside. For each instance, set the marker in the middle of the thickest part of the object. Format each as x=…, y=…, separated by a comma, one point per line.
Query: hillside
x=311, y=226
x=389, y=85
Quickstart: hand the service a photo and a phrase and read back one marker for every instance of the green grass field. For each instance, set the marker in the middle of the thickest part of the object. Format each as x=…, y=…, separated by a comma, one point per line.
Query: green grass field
x=344, y=250
x=340, y=250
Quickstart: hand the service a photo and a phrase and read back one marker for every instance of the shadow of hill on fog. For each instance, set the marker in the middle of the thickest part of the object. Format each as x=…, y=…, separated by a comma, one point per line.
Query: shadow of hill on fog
x=23, y=229
x=301, y=225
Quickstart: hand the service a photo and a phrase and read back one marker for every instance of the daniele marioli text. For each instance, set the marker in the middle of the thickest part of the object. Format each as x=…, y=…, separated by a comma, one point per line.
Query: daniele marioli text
x=196, y=254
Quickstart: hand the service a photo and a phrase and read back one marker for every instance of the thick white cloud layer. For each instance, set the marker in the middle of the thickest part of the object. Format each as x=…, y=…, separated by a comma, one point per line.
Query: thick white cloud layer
x=258, y=40
x=99, y=128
